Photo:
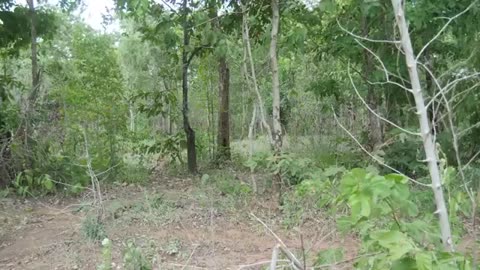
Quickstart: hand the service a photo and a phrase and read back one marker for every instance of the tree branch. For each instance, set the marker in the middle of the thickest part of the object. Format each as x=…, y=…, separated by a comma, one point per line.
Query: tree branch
x=450, y=20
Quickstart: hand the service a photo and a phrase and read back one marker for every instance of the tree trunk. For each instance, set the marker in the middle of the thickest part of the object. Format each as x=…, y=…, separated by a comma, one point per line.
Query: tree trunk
x=132, y=116
x=428, y=140
x=189, y=132
x=223, y=138
x=277, y=126
x=223, y=132
x=252, y=74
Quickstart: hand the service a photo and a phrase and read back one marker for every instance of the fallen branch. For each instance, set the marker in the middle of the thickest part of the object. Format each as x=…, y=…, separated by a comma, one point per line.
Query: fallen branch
x=296, y=263
x=244, y=266
x=273, y=264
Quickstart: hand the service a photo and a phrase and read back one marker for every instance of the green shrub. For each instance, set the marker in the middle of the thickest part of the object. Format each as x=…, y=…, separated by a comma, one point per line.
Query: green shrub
x=391, y=226
x=226, y=183
x=93, y=229
x=133, y=257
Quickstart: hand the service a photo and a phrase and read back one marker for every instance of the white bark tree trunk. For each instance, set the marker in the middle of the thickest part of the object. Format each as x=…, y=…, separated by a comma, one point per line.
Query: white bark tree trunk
x=428, y=140
x=252, y=74
x=132, y=116
x=277, y=127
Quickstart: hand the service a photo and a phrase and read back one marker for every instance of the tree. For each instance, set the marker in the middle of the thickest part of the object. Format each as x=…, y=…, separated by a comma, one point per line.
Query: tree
x=223, y=135
x=277, y=127
x=186, y=59
x=19, y=27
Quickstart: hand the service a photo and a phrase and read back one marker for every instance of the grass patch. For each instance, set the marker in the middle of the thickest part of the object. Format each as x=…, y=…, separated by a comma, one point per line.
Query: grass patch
x=93, y=229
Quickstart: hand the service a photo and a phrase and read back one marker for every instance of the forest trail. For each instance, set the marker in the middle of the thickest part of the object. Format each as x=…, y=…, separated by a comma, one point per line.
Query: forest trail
x=183, y=228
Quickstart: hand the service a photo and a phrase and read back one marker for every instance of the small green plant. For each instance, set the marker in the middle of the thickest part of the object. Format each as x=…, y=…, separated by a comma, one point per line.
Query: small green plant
x=170, y=146
x=106, y=255
x=93, y=229
x=135, y=173
x=172, y=247
x=227, y=184
x=133, y=257
x=292, y=168
x=27, y=182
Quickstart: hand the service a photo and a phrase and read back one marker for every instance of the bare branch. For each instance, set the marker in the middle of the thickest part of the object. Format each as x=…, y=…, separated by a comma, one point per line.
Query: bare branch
x=385, y=70
x=462, y=133
x=273, y=263
x=471, y=160
x=249, y=266
x=375, y=113
x=366, y=38
x=450, y=20
x=454, y=67
x=374, y=157
x=282, y=245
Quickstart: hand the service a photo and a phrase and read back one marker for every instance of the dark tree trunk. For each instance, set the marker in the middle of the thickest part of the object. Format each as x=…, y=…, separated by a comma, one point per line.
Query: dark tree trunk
x=223, y=131
x=190, y=133
x=223, y=138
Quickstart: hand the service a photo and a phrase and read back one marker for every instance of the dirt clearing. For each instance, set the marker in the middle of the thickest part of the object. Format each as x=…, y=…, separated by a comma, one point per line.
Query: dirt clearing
x=189, y=227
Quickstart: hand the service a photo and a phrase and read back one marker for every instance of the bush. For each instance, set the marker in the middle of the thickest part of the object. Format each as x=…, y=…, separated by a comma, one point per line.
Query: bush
x=93, y=229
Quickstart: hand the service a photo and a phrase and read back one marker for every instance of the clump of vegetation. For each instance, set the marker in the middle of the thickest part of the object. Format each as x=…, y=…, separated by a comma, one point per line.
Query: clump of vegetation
x=106, y=255
x=93, y=228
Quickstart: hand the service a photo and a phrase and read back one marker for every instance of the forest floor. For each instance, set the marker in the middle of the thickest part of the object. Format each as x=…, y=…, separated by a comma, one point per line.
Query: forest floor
x=177, y=223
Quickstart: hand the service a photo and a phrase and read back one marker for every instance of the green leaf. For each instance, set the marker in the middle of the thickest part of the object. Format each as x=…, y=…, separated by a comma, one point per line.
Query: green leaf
x=365, y=202
x=48, y=183
x=404, y=264
x=333, y=170
x=397, y=178
x=423, y=261
x=397, y=243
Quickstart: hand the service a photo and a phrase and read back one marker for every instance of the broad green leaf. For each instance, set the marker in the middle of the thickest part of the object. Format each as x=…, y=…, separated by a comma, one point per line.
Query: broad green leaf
x=359, y=173
x=47, y=183
x=397, y=178
x=397, y=243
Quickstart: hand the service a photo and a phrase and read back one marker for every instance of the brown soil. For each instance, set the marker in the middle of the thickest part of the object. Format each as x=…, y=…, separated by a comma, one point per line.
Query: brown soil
x=198, y=230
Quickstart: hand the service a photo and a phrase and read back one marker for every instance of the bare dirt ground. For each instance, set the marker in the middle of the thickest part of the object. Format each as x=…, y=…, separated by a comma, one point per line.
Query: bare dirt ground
x=176, y=223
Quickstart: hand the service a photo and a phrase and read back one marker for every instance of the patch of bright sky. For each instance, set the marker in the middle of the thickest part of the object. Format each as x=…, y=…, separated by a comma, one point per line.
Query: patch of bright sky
x=92, y=13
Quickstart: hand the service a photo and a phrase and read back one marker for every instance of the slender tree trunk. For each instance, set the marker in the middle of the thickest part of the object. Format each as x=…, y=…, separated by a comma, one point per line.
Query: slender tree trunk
x=375, y=134
x=428, y=140
x=132, y=116
x=252, y=74
x=277, y=127
x=251, y=130
x=190, y=133
x=223, y=138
